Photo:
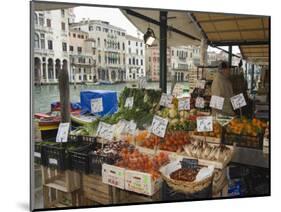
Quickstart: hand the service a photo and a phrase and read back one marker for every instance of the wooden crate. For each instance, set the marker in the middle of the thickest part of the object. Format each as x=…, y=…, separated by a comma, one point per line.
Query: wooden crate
x=95, y=190
x=65, y=181
x=223, y=192
x=122, y=197
x=53, y=198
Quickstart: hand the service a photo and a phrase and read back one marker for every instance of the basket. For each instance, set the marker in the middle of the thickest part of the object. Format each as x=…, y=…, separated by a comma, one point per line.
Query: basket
x=188, y=187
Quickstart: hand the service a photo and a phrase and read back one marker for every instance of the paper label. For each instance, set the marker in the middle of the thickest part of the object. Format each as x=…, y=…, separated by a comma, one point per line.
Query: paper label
x=166, y=100
x=184, y=104
x=142, y=82
x=159, y=126
x=189, y=163
x=200, y=84
x=238, y=101
x=62, y=134
x=199, y=102
x=204, y=123
x=96, y=105
x=217, y=102
x=178, y=90
x=37, y=154
x=105, y=131
x=129, y=102
x=53, y=161
x=113, y=175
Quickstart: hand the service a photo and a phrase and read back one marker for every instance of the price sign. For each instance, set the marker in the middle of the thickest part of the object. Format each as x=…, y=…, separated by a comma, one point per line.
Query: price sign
x=129, y=102
x=178, y=90
x=204, y=124
x=166, y=100
x=62, y=132
x=105, y=131
x=159, y=126
x=184, y=104
x=217, y=102
x=238, y=101
x=200, y=84
x=142, y=82
x=189, y=163
x=96, y=105
x=199, y=102
x=131, y=127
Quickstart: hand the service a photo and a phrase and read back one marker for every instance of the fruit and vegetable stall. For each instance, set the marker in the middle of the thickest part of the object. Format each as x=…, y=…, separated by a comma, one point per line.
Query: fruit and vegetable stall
x=156, y=147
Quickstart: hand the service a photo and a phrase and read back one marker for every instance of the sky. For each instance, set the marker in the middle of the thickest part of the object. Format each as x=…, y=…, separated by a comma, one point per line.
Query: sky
x=116, y=18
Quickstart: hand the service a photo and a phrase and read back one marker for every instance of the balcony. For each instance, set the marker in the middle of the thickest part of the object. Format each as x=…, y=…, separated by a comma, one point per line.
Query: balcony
x=45, y=52
x=43, y=28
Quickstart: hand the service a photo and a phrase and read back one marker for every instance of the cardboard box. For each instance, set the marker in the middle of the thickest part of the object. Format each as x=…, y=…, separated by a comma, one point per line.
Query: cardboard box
x=142, y=183
x=113, y=175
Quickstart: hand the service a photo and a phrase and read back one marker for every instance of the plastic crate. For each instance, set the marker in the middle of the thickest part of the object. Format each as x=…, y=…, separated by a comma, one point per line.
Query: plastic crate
x=81, y=138
x=255, y=142
x=39, y=154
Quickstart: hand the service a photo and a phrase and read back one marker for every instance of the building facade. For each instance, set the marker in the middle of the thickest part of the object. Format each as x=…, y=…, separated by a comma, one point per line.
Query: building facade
x=135, y=58
x=50, y=44
x=110, y=49
x=82, y=59
x=179, y=63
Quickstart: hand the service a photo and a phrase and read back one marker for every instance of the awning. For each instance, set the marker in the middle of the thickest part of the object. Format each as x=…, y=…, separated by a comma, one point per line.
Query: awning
x=249, y=32
x=41, y=6
x=181, y=29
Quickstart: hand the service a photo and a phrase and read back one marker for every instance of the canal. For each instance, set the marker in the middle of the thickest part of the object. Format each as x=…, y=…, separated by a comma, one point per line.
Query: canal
x=44, y=95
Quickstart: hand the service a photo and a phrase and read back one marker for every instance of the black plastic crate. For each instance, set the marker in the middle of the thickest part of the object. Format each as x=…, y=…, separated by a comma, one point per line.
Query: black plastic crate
x=39, y=154
x=81, y=138
x=255, y=142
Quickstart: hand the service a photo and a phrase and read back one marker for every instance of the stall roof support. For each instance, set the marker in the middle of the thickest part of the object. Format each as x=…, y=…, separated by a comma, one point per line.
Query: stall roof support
x=163, y=51
x=230, y=56
x=237, y=43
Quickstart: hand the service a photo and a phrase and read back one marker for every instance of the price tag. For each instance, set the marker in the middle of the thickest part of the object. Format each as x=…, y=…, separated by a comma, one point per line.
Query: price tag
x=131, y=127
x=159, y=126
x=204, y=124
x=96, y=105
x=166, y=100
x=142, y=82
x=178, y=90
x=105, y=131
x=217, y=102
x=129, y=102
x=189, y=163
x=200, y=84
x=184, y=104
x=238, y=101
x=199, y=102
x=53, y=161
x=37, y=154
x=62, y=132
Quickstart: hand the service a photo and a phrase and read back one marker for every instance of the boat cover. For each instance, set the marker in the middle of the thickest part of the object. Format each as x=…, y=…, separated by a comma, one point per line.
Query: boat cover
x=109, y=101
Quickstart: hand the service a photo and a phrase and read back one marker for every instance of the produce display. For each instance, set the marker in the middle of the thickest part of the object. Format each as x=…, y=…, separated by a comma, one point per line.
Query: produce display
x=135, y=160
x=185, y=174
x=217, y=131
x=203, y=150
x=173, y=141
x=244, y=126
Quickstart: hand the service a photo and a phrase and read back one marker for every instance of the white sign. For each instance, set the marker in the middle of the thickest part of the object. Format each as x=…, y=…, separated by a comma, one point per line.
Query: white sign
x=62, y=132
x=129, y=102
x=184, y=104
x=53, y=161
x=96, y=105
x=204, y=124
x=178, y=90
x=131, y=127
x=217, y=102
x=200, y=84
x=105, y=131
x=142, y=82
x=238, y=101
x=199, y=102
x=37, y=154
x=159, y=126
x=166, y=100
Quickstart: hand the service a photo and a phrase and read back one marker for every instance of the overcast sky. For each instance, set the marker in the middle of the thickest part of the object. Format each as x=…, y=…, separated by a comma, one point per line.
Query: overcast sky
x=116, y=18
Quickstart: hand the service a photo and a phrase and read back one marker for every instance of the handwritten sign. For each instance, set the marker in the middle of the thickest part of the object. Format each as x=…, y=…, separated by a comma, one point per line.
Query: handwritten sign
x=166, y=100
x=199, y=102
x=200, y=84
x=62, y=132
x=105, y=131
x=142, y=82
x=96, y=105
x=178, y=90
x=204, y=123
x=159, y=126
x=238, y=101
x=217, y=102
x=131, y=127
x=129, y=102
x=184, y=104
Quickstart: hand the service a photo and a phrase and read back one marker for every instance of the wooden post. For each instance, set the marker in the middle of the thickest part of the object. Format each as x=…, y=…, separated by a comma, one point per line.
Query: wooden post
x=64, y=91
x=163, y=51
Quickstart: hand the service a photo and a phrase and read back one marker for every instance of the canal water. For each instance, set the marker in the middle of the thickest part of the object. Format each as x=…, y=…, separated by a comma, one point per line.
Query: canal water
x=44, y=95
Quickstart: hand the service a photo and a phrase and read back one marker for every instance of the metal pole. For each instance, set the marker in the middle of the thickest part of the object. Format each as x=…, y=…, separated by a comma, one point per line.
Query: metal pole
x=163, y=51
x=252, y=77
x=230, y=56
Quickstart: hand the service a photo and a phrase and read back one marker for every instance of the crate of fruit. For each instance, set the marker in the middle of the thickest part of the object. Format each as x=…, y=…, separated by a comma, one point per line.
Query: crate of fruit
x=245, y=133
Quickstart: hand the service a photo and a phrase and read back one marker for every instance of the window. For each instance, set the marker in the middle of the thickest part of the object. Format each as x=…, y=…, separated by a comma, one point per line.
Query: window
x=94, y=51
x=129, y=43
x=74, y=35
x=123, y=33
x=177, y=53
x=82, y=36
x=63, y=26
x=129, y=50
x=79, y=49
x=98, y=42
x=64, y=46
x=36, y=41
x=42, y=40
x=104, y=42
x=105, y=30
x=172, y=52
x=137, y=51
x=62, y=12
x=123, y=46
x=136, y=43
x=190, y=54
x=141, y=52
x=129, y=61
x=71, y=48
x=90, y=61
x=141, y=44
x=35, y=18
x=149, y=59
x=99, y=58
x=118, y=33
x=137, y=61
x=50, y=44
x=49, y=23
x=90, y=28
x=78, y=35
x=41, y=19
x=118, y=45
x=98, y=28
x=133, y=61
x=141, y=61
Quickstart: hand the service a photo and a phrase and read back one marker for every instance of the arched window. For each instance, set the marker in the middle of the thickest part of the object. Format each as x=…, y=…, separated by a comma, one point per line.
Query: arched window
x=36, y=41
x=98, y=42
x=35, y=18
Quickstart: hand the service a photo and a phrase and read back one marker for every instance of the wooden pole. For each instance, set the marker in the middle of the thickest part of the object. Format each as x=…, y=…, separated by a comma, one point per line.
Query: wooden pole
x=64, y=91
